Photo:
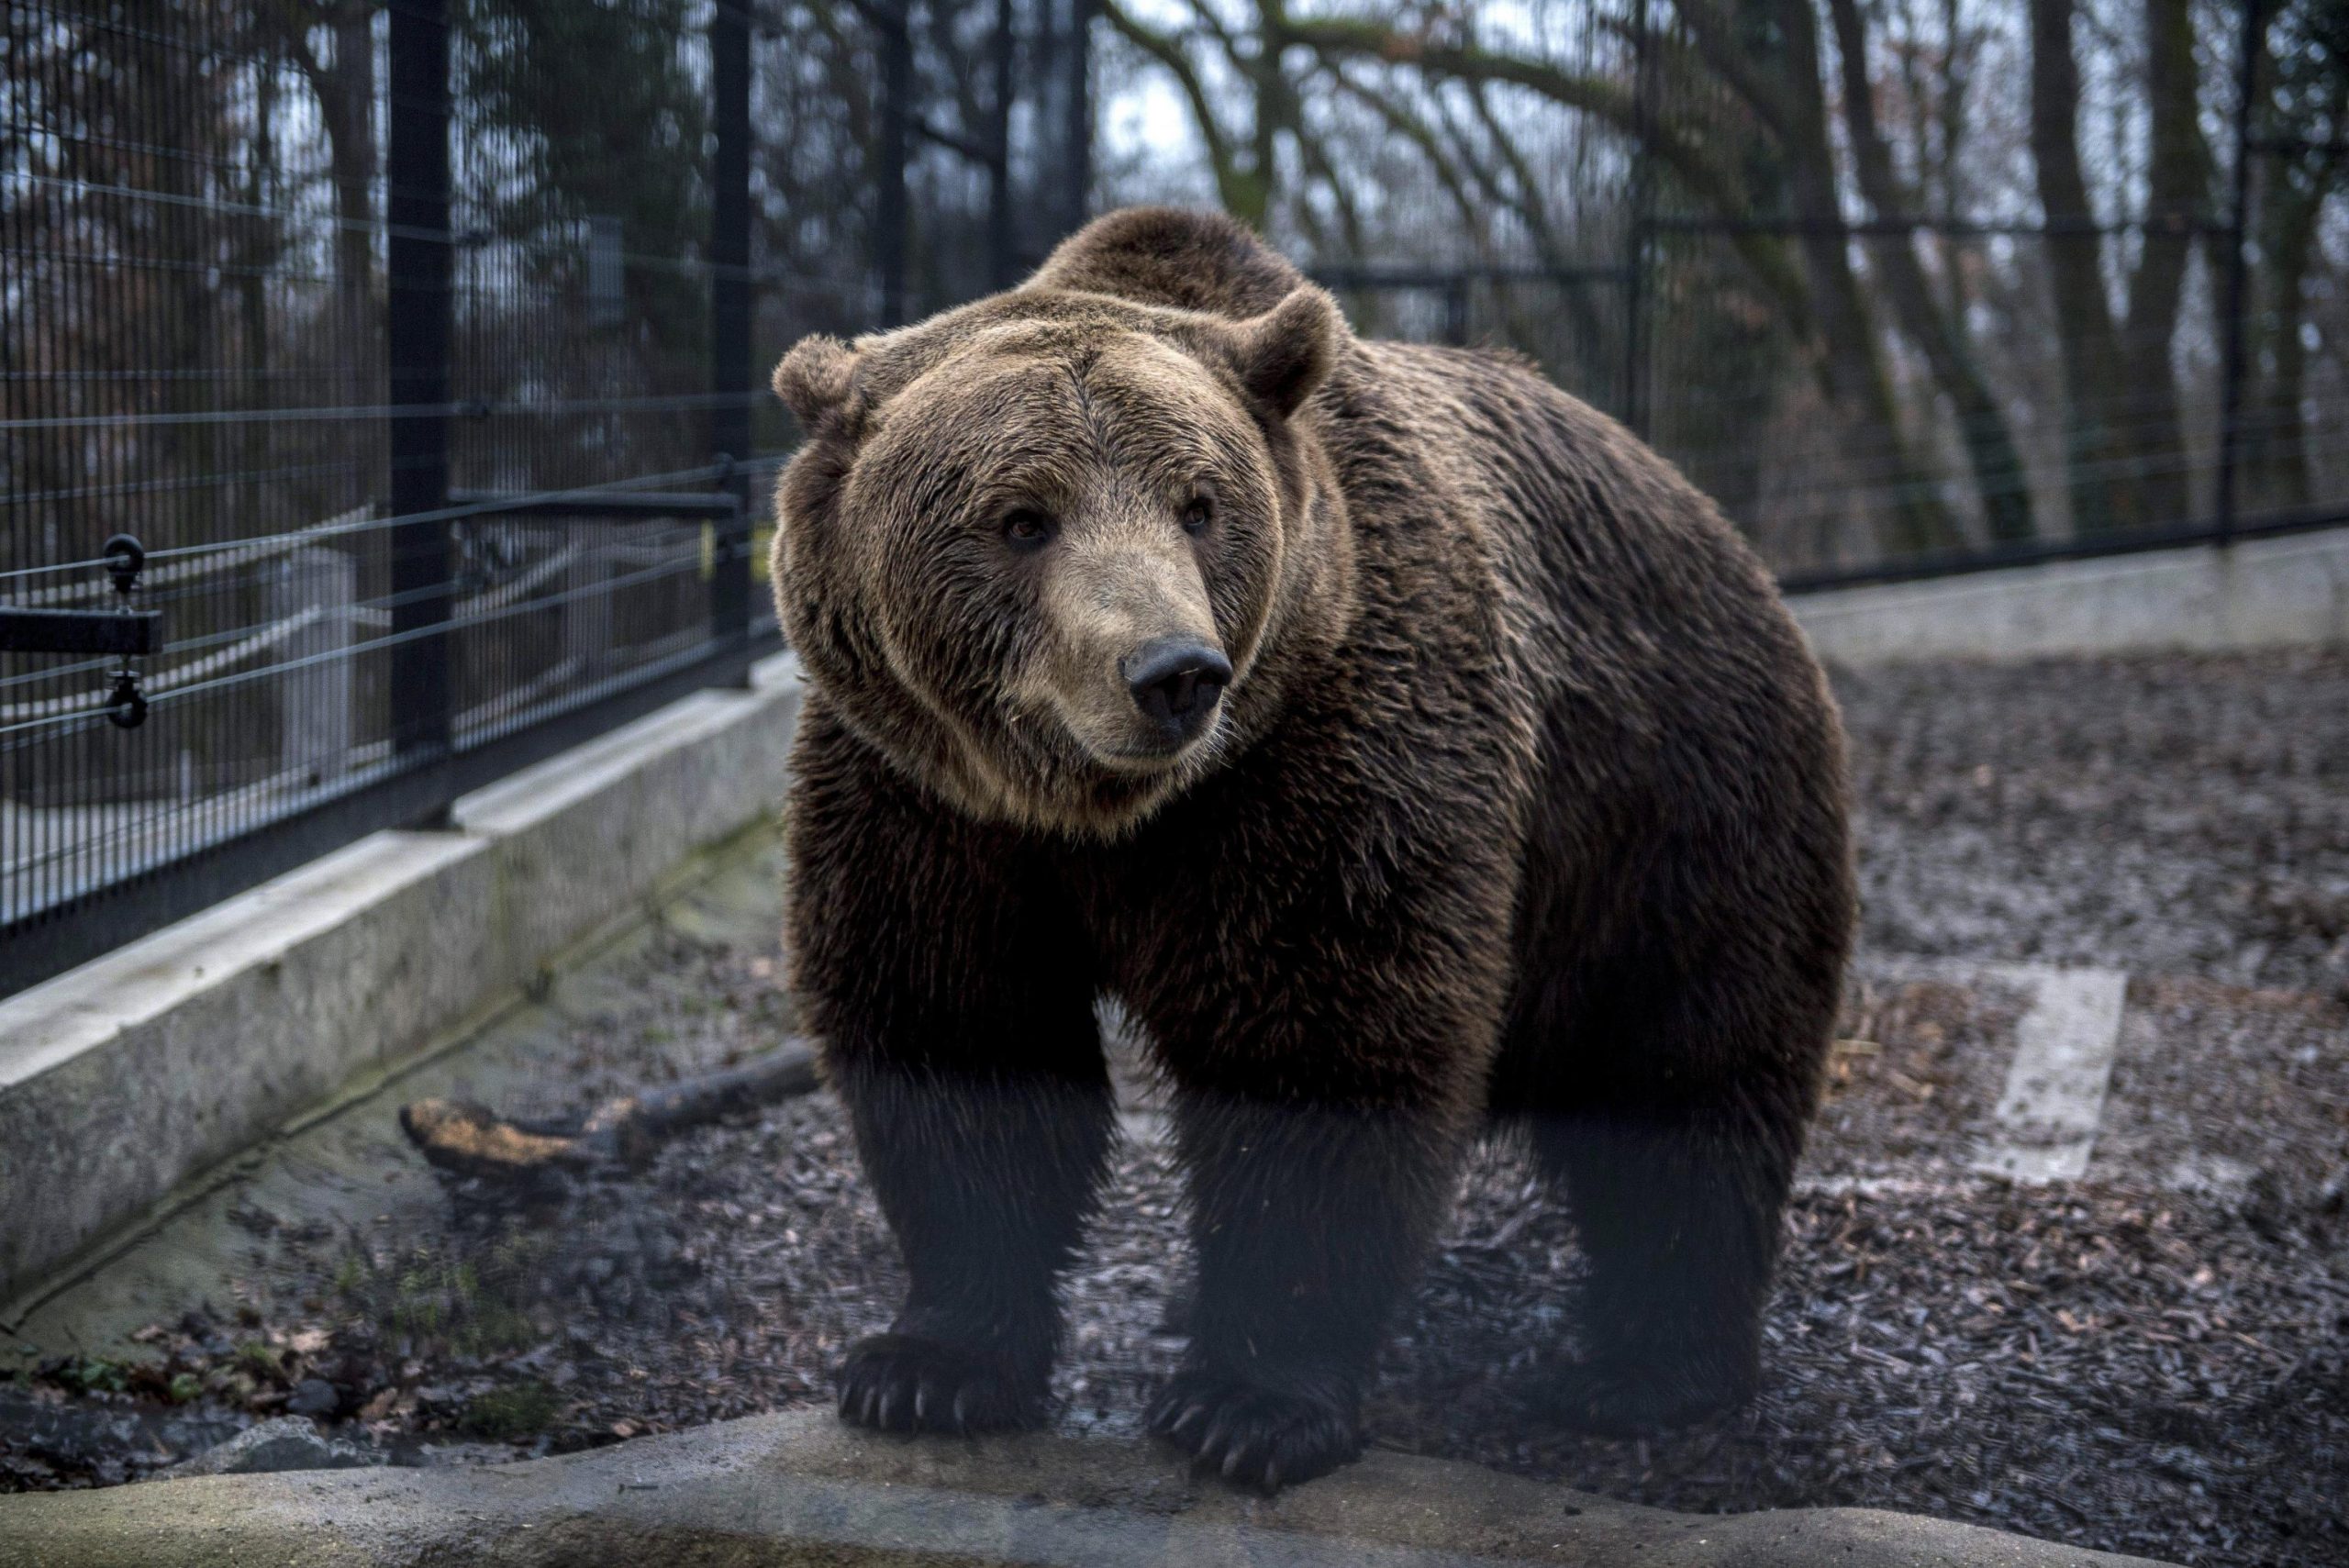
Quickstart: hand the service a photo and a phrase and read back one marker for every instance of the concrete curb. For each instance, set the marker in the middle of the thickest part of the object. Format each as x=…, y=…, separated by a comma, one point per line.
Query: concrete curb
x=797, y=1488
x=123, y=1078
x=2270, y=592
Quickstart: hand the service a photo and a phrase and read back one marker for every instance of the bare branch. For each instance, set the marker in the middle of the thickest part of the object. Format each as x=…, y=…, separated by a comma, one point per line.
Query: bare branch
x=1167, y=50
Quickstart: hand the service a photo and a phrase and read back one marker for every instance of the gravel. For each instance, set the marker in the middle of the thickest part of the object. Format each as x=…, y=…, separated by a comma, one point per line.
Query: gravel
x=2257, y=1104
x=2153, y=1360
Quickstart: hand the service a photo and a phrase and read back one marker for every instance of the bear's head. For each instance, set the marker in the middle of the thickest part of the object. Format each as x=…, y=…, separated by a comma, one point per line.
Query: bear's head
x=1037, y=550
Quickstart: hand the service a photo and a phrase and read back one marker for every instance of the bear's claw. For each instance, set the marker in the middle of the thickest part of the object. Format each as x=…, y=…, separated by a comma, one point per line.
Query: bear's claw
x=905, y=1382
x=1252, y=1436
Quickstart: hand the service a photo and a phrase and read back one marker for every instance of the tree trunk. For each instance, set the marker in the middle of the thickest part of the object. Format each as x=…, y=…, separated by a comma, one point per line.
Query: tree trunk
x=1915, y=519
x=1998, y=475
x=2178, y=189
x=345, y=89
x=2089, y=345
x=2275, y=441
x=263, y=244
x=2307, y=102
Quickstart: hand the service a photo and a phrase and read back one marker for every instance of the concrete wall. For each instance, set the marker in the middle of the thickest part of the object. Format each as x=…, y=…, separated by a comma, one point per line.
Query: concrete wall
x=123, y=1078
x=2272, y=593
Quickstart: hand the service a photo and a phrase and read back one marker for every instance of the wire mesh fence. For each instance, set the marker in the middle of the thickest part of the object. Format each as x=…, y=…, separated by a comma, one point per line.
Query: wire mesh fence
x=410, y=344
x=418, y=341
x=343, y=313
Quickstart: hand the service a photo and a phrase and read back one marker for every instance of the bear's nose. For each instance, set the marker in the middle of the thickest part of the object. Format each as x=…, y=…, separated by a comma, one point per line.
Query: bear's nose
x=1175, y=682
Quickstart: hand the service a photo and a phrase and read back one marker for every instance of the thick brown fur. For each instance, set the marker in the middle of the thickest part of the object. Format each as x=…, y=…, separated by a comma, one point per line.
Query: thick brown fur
x=1525, y=808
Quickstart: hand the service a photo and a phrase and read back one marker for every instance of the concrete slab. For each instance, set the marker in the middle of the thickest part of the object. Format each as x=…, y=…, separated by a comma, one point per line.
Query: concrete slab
x=2283, y=591
x=2036, y=1087
x=2045, y=1122
x=120, y=1079
x=125, y=1077
x=797, y=1488
x=591, y=833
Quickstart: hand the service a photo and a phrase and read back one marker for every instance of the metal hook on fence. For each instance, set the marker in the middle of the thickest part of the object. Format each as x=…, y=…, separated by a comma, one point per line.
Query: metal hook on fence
x=126, y=703
x=125, y=559
x=38, y=628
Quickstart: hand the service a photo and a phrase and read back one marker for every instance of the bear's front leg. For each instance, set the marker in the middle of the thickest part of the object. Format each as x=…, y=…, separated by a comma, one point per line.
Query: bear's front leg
x=1309, y=1223
x=1324, y=997
x=986, y=1178
x=947, y=986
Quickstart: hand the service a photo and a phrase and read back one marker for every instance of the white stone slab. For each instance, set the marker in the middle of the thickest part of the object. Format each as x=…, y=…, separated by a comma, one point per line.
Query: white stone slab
x=2045, y=1126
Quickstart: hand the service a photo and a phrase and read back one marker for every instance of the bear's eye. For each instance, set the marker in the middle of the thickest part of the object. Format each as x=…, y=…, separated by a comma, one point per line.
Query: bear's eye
x=1024, y=527
x=1196, y=514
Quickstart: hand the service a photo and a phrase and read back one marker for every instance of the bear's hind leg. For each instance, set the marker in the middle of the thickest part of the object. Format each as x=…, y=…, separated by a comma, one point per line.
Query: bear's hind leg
x=1677, y=1167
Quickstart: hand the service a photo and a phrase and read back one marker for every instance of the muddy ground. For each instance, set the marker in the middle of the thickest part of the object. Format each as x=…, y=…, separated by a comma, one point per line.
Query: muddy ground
x=2162, y=815
x=2154, y=1358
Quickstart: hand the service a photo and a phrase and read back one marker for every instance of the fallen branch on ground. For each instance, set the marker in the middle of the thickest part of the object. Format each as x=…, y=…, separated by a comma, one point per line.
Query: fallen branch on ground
x=474, y=1140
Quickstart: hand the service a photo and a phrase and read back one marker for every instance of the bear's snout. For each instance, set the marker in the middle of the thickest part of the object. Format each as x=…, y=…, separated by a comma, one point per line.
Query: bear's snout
x=1176, y=682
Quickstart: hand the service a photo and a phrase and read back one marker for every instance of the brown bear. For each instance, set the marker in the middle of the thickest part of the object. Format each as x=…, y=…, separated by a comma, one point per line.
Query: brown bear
x=1408, y=749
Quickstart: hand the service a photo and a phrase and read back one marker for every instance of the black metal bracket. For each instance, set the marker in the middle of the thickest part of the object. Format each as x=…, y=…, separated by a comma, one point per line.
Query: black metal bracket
x=126, y=558
x=122, y=633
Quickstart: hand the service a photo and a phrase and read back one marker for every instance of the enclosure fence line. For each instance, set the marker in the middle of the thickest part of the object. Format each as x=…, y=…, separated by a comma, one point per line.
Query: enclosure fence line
x=397, y=495
x=365, y=668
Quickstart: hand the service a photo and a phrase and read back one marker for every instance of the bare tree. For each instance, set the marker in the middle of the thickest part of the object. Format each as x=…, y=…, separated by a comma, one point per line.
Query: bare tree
x=2124, y=444
x=1812, y=273
x=2303, y=117
x=342, y=79
x=1938, y=329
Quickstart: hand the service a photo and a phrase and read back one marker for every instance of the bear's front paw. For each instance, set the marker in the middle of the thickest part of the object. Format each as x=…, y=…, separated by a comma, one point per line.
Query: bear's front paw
x=1628, y=1398
x=1255, y=1436
x=906, y=1383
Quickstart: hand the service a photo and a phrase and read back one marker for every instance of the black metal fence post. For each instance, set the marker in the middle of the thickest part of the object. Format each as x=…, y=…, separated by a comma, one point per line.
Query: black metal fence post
x=896, y=110
x=1641, y=223
x=1080, y=113
x=416, y=305
x=1003, y=241
x=730, y=317
x=2237, y=302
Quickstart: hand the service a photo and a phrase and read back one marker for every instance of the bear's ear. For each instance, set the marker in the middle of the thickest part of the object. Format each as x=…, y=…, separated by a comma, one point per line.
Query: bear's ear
x=815, y=378
x=1282, y=355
